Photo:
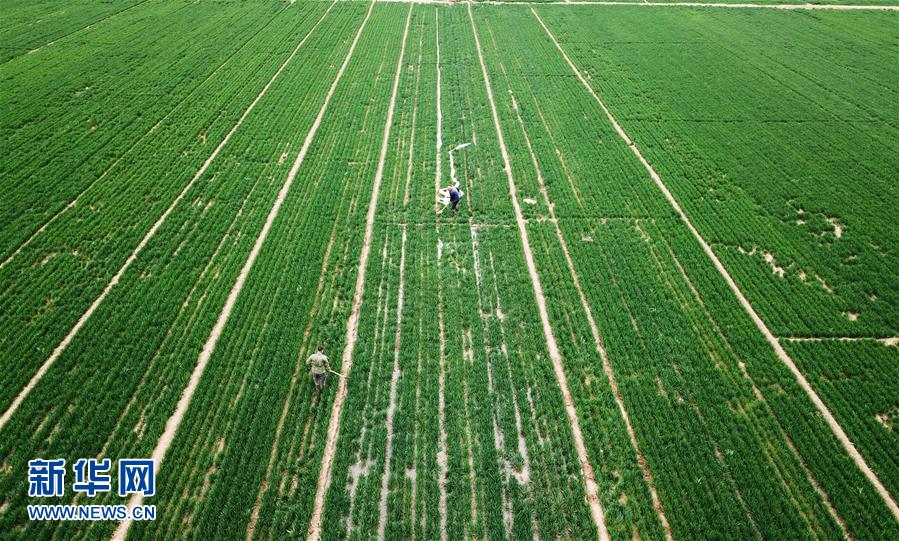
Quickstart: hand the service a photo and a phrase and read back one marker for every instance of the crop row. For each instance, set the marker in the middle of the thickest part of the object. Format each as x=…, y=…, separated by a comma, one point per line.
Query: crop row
x=74, y=111
x=29, y=24
x=270, y=335
x=777, y=132
x=724, y=457
x=511, y=470
x=51, y=283
x=133, y=358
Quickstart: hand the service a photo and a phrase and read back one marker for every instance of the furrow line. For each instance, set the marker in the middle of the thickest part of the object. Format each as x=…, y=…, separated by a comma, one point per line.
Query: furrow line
x=174, y=421
x=769, y=336
x=891, y=341
x=324, y=478
x=442, y=458
x=131, y=258
x=587, y=471
x=391, y=408
x=594, y=330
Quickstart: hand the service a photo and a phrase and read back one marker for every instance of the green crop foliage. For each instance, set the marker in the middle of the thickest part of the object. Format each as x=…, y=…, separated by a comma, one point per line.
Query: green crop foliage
x=774, y=130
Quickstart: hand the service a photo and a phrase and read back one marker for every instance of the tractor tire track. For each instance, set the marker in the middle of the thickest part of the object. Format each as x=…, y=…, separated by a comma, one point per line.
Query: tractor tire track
x=442, y=458
x=391, y=408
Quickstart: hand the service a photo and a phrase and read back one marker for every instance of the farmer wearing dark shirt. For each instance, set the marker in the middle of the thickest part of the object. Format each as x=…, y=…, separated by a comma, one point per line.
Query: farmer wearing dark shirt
x=455, y=196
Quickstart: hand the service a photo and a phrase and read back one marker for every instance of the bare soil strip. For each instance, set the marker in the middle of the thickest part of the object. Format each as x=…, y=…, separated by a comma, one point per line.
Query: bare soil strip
x=131, y=258
x=171, y=426
x=394, y=380
x=586, y=468
x=769, y=336
x=74, y=202
x=324, y=477
x=594, y=330
x=836, y=7
x=391, y=408
x=442, y=459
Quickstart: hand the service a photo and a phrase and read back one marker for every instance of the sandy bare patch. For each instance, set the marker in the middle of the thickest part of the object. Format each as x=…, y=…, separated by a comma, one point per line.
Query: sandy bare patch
x=837, y=226
x=442, y=458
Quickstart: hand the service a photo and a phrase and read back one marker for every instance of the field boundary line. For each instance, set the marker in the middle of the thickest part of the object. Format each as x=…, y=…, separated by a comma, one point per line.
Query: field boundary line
x=324, y=478
x=150, y=234
x=594, y=328
x=587, y=471
x=172, y=424
x=769, y=336
x=74, y=202
x=723, y=5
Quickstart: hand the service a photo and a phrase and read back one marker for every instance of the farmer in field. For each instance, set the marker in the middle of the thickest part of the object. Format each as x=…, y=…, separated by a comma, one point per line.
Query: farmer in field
x=319, y=368
x=450, y=196
x=455, y=196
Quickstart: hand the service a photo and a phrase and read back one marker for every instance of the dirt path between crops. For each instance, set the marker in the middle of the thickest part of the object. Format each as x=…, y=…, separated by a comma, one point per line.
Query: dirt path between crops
x=835, y=7
x=769, y=336
x=391, y=408
x=131, y=258
x=590, y=485
x=594, y=329
x=442, y=459
x=394, y=380
x=324, y=477
x=74, y=202
x=171, y=426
